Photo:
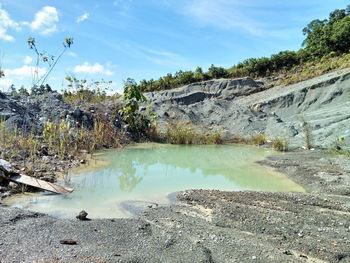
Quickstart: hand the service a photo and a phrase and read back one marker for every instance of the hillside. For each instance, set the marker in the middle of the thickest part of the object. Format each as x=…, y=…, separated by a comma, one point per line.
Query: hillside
x=245, y=107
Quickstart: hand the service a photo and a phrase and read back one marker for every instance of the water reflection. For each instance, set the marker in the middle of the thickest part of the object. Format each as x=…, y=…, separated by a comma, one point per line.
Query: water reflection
x=149, y=172
x=234, y=163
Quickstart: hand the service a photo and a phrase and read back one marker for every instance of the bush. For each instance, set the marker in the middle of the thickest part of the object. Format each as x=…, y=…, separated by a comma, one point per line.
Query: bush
x=258, y=139
x=280, y=145
x=180, y=134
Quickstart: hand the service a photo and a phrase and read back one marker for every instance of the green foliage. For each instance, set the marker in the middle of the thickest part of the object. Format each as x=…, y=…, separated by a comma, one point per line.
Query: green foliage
x=337, y=147
x=83, y=90
x=332, y=35
x=42, y=89
x=181, y=78
x=217, y=72
x=130, y=111
x=23, y=91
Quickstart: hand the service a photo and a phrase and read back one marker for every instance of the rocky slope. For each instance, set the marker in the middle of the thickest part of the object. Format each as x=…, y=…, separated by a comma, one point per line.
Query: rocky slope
x=246, y=107
x=29, y=113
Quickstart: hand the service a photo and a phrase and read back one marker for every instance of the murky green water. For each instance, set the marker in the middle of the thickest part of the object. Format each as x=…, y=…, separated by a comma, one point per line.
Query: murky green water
x=149, y=172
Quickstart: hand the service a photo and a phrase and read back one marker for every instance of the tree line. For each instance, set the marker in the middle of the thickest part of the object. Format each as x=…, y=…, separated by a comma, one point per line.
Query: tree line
x=323, y=39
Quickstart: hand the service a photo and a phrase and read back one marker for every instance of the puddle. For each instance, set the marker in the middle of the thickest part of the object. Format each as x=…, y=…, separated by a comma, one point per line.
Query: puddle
x=119, y=183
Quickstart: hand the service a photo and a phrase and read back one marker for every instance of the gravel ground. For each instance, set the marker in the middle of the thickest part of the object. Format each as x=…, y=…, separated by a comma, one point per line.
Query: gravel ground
x=206, y=226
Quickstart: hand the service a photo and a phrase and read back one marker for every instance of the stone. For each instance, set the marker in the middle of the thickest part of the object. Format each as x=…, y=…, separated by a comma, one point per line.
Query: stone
x=6, y=165
x=82, y=216
x=68, y=242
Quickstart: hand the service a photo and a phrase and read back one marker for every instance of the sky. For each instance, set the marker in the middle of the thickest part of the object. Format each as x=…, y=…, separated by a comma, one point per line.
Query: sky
x=144, y=39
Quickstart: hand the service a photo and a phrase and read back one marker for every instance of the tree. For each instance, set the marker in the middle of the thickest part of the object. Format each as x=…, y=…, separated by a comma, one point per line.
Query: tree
x=23, y=91
x=336, y=15
x=217, y=72
x=340, y=37
x=42, y=89
x=132, y=97
x=198, y=74
x=317, y=40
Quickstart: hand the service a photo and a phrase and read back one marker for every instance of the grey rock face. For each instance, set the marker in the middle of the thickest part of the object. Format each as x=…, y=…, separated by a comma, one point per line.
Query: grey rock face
x=244, y=107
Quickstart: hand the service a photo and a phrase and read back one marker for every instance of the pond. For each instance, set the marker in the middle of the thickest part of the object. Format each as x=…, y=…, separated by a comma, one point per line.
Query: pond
x=117, y=183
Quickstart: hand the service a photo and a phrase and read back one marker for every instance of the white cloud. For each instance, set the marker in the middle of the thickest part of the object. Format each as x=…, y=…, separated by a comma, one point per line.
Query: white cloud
x=6, y=23
x=83, y=17
x=27, y=60
x=92, y=69
x=24, y=72
x=5, y=83
x=45, y=21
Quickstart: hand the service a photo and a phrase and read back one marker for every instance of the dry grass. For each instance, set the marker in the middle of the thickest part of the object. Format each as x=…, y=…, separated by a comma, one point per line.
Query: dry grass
x=59, y=139
x=280, y=145
x=313, y=69
x=185, y=133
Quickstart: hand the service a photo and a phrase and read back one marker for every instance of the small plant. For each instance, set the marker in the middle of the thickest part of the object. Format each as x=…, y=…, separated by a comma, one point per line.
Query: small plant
x=338, y=147
x=44, y=57
x=180, y=134
x=238, y=139
x=211, y=138
x=130, y=111
x=258, y=139
x=280, y=145
x=83, y=90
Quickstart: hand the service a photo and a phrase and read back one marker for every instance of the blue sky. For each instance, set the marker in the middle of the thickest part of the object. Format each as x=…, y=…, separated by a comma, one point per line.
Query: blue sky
x=143, y=39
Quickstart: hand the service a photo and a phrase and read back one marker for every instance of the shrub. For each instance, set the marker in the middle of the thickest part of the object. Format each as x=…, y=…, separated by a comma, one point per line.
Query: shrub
x=211, y=138
x=280, y=145
x=258, y=139
x=180, y=134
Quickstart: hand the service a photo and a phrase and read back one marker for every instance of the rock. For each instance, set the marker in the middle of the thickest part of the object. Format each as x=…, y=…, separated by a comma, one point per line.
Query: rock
x=68, y=242
x=287, y=252
x=82, y=216
x=77, y=113
x=117, y=124
x=6, y=194
x=45, y=159
x=44, y=149
x=6, y=165
x=14, y=188
x=2, y=95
